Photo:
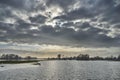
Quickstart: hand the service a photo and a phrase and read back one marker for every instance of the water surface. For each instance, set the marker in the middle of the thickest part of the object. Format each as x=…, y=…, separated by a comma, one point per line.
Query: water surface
x=62, y=70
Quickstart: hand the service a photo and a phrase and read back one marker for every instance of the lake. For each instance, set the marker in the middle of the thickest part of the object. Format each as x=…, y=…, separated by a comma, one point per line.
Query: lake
x=62, y=70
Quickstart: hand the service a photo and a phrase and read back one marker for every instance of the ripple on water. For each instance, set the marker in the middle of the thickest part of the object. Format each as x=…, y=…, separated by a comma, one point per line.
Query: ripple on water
x=63, y=70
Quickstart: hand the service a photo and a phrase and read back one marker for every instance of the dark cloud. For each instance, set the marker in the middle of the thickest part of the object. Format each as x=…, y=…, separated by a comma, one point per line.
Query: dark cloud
x=101, y=7
x=63, y=4
x=112, y=15
x=77, y=14
x=89, y=23
x=38, y=19
x=13, y=3
x=5, y=12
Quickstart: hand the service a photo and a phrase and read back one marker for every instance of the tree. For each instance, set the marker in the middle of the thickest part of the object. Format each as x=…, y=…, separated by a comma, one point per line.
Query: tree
x=59, y=56
x=83, y=57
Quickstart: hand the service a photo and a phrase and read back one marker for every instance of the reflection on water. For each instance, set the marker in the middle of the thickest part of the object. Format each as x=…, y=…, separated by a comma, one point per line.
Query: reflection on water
x=65, y=70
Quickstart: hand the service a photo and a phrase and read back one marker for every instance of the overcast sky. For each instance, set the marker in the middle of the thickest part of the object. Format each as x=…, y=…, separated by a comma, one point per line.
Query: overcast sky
x=71, y=24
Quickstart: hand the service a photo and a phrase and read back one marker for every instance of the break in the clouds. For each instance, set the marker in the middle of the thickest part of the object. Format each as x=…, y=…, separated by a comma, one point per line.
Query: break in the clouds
x=83, y=23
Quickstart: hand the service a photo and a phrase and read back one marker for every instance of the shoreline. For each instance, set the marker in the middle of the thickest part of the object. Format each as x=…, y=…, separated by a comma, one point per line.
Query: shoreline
x=18, y=62
x=32, y=61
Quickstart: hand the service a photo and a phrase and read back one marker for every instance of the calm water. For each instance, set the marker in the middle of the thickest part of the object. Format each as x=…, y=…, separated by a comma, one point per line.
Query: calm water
x=63, y=70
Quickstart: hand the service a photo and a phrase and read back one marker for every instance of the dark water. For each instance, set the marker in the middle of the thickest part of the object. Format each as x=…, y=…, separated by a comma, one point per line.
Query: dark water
x=65, y=70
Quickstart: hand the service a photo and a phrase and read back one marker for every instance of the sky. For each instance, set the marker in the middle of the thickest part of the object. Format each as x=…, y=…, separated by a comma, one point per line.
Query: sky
x=45, y=28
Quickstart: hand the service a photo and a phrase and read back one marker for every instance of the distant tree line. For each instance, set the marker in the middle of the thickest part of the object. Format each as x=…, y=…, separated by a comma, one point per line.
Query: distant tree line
x=15, y=57
x=85, y=57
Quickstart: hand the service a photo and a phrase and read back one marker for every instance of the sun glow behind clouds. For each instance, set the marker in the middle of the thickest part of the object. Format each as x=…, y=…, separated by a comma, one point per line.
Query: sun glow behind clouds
x=45, y=50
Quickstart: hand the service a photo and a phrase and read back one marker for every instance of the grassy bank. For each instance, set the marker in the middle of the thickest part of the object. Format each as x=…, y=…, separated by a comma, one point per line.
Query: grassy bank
x=17, y=62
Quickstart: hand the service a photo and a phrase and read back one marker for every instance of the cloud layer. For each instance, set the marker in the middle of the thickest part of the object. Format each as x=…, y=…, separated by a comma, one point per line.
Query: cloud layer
x=89, y=23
